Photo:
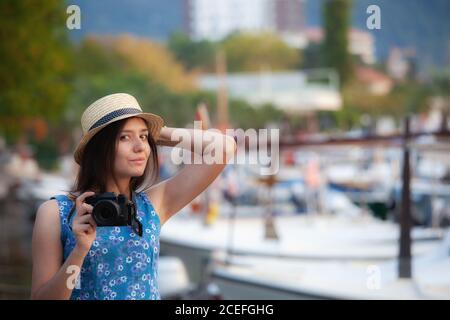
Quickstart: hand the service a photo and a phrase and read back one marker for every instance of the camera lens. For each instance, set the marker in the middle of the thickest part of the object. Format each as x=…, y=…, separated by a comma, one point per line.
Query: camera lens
x=105, y=213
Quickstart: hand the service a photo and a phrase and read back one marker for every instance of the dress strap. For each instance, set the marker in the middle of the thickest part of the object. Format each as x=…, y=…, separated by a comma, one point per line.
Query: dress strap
x=66, y=208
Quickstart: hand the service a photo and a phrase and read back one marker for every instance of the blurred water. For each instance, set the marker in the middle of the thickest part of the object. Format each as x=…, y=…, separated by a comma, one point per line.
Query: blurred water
x=15, y=249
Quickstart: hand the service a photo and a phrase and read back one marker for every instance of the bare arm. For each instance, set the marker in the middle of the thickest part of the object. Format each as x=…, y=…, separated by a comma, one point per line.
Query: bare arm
x=173, y=194
x=50, y=278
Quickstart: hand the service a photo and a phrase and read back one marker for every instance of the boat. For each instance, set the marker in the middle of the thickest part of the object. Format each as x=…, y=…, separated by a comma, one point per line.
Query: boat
x=250, y=277
x=300, y=237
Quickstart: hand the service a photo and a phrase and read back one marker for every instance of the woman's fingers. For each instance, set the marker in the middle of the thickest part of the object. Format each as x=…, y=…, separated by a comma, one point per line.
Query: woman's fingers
x=82, y=207
x=86, y=228
x=87, y=219
x=83, y=197
x=81, y=211
x=87, y=208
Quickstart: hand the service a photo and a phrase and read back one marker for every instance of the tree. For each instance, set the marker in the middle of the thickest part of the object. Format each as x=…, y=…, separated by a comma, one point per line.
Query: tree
x=440, y=87
x=336, y=25
x=312, y=56
x=35, y=65
x=103, y=67
x=253, y=52
x=154, y=77
x=152, y=59
x=193, y=54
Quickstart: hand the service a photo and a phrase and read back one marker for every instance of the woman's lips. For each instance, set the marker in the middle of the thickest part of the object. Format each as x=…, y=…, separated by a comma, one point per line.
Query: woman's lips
x=138, y=162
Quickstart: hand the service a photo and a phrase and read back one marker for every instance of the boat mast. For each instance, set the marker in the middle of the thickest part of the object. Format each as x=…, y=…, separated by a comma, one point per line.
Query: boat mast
x=222, y=94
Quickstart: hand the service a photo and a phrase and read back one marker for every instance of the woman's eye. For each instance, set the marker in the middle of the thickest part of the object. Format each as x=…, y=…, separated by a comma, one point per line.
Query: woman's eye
x=123, y=138
x=144, y=137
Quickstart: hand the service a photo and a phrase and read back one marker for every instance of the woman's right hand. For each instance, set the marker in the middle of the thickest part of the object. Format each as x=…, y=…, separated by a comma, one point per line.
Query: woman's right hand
x=84, y=226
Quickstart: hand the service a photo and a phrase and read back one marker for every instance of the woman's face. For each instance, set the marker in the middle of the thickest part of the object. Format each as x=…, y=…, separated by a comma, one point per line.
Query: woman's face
x=132, y=149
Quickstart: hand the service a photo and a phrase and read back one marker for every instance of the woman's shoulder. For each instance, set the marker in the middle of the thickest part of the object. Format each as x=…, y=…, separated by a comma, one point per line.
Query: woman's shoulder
x=61, y=203
x=49, y=205
x=48, y=210
x=66, y=198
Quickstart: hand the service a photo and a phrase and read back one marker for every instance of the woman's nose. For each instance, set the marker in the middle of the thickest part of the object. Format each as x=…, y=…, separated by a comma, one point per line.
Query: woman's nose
x=139, y=145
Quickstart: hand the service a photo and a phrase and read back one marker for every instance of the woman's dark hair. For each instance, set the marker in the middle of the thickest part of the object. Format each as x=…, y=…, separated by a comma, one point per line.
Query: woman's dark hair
x=98, y=158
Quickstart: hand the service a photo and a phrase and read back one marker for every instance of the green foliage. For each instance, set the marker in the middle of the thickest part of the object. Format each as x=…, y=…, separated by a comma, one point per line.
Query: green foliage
x=244, y=52
x=35, y=63
x=46, y=152
x=348, y=117
x=102, y=71
x=414, y=95
x=405, y=98
x=253, y=52
x=440, y=83
x=246, y=116
x=336, y=25
x=313, y=56
x=153, y=97
x=193, y=54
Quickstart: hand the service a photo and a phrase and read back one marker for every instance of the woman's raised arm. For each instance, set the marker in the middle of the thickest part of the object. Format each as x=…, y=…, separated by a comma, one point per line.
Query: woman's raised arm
x=212, y=151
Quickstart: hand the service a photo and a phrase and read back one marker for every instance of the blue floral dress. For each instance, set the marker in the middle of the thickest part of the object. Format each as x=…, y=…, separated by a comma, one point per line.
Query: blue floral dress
x=120, y=265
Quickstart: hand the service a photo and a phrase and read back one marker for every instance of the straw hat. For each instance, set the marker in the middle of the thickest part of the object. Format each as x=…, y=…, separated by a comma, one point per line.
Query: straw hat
x=109, y=109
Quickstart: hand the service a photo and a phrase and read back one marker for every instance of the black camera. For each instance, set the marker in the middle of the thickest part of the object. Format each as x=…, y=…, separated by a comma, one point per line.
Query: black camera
x=114, y=210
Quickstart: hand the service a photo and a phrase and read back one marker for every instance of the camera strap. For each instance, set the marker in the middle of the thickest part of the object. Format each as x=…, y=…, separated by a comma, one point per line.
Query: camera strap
x=136, y=225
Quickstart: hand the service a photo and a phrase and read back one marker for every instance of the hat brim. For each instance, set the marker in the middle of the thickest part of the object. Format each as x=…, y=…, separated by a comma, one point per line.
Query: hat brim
x=154, y=124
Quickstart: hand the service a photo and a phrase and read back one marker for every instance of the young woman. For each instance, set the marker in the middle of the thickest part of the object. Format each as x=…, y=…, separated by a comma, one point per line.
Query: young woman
x=117, y=153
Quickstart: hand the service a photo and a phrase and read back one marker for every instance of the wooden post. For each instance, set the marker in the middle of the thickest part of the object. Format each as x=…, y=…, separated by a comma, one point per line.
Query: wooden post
x=222, y=94
x=270, y=231
x=404, y=266
x=231, y=224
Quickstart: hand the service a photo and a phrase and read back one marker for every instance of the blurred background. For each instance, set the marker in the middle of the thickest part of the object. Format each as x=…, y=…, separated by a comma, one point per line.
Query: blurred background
x=360, y=207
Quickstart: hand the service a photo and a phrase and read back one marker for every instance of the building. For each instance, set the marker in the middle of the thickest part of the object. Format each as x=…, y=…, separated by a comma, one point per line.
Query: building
x=397, y=64
x=214, y=20
x=288, y=15
x=377, y=83
x=362, y=44
x=293, y=92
